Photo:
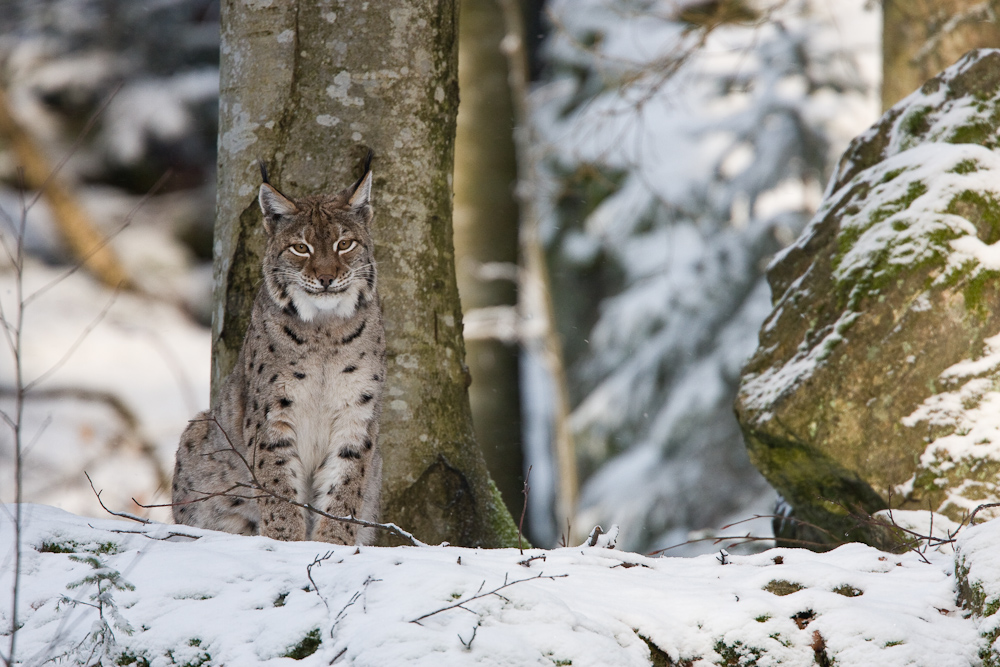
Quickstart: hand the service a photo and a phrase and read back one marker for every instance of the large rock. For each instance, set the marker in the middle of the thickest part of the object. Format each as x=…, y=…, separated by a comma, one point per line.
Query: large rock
x=877, y=378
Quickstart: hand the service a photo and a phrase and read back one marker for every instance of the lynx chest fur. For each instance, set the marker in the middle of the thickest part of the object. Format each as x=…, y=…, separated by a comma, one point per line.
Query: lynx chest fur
x=297, y=419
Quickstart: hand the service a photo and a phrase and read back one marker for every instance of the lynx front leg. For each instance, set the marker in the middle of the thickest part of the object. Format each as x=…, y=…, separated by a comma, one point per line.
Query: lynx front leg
x=340, y=491
x=279, y=519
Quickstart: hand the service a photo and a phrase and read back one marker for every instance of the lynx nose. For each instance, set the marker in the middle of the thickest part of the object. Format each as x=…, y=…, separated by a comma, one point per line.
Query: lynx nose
x=325, y=280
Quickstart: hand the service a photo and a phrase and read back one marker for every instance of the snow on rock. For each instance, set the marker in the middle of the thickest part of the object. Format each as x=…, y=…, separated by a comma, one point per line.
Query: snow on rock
x=177, y=595
x=967, y=414
x=874, y=382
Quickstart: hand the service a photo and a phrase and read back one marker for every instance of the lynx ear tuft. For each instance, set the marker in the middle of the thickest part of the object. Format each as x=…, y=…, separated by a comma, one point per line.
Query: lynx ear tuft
x=362, y=193
x=274, y=205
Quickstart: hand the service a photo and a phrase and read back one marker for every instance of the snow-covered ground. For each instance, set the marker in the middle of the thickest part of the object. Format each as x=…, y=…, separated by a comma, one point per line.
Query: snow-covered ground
x=180, y=596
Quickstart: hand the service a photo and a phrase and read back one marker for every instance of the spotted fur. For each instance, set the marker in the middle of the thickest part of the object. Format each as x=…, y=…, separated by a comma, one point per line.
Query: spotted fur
x=302, y=405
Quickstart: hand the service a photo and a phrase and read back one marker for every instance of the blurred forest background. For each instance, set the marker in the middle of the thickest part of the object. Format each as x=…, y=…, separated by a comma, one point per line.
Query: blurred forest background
x=656, y=153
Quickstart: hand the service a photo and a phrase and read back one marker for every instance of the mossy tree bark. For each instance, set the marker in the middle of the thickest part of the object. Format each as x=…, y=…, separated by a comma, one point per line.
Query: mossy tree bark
x=486, y=228
x=309, y=86
x=922, y=37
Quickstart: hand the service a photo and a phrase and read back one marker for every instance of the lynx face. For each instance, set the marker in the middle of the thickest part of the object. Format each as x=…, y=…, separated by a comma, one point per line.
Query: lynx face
x=318, y=261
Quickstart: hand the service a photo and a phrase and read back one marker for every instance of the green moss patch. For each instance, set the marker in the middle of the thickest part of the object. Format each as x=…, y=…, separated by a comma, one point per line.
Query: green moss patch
x=982, y=210
x=305, y=648
x=73, y=547
x=737, y=654
x=848, y=591
x=974, y=599
x=661, y=658
x=129, y=658
x=965, y=167
x=915, y=121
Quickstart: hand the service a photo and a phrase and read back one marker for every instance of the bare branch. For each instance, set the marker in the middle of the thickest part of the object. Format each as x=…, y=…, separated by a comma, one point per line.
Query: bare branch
x=524, y=507
x=981, y=507
x=468, y=644
x=71, y=218
x=7, y=420
x=11, y=329
x=527, y=561
x=124, y=515
x=112, y=401
x=978, y=13
x=170, y=533
x=495, y=591
x=796, y=520
x=206, y=495
x=354, y=598
x=38, y=434
x=75, y=146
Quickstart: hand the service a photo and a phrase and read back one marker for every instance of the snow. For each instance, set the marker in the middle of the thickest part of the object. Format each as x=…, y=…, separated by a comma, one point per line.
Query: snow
x=247, y=600
x=904, y=237
x=157, y=109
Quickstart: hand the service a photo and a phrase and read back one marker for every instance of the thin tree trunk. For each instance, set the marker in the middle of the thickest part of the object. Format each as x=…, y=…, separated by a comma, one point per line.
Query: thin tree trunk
x=486, y=227
x=922, y=37
x=541, y=339
x=309, y=86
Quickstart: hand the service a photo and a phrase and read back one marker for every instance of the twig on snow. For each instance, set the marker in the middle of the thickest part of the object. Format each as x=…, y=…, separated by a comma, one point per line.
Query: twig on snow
x=479, y=594
x=354, y=598
x=309, y=573
x=468, y=644
x=527, y=561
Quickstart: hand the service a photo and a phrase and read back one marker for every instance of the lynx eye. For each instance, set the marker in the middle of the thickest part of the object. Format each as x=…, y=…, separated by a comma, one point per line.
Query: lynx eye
x=300, y=249
x=346, y=244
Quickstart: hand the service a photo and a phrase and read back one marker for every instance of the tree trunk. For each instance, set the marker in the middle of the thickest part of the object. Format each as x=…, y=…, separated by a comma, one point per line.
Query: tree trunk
x=486, y=217
x=309, y=86
x=922, y=37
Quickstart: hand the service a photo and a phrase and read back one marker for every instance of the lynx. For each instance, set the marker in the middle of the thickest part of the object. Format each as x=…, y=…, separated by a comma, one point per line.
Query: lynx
x=302, y=405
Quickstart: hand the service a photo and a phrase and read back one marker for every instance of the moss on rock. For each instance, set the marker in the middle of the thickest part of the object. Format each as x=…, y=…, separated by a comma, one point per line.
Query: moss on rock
x=879, y=307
